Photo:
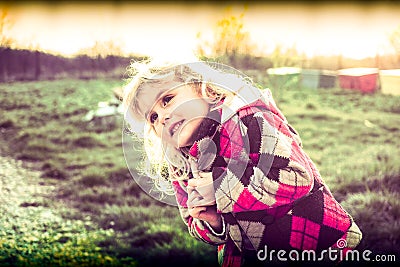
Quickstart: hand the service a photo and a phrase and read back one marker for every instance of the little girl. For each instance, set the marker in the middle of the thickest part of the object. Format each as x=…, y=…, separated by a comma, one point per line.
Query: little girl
x=240, y=176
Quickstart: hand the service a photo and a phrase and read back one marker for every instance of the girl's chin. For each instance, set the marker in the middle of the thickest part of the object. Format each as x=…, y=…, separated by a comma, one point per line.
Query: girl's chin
x=185, y=138
x=184, y=143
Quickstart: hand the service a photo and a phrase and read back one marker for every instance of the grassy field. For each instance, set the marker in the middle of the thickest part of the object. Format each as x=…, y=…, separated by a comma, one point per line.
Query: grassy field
x=107, y=220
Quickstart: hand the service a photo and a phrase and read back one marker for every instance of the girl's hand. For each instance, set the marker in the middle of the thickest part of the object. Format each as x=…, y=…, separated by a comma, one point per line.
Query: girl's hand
x=201, y=199
x=201, y=190
x=208, y=214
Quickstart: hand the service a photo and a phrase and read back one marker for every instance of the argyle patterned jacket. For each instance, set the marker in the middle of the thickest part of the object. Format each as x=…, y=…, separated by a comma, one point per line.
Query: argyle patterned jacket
x=267, y=190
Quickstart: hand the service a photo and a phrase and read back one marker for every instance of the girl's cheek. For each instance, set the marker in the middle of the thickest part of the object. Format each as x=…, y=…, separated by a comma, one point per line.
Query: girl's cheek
x=164, y=134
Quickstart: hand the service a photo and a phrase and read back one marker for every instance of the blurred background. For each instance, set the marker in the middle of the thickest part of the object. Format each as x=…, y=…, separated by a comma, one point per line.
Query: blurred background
x=67, y=196
x=321, y=35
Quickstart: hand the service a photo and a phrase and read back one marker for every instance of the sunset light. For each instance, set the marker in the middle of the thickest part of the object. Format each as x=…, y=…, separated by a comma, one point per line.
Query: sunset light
x=355, y=30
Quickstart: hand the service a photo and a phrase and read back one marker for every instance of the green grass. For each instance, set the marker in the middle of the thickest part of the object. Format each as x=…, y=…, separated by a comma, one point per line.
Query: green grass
x=53, y=241
x=43, y=125
x=353, y=139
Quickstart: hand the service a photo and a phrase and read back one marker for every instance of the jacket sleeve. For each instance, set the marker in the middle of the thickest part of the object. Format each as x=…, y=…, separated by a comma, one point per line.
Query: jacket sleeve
x=265, y=164
x=199, y=229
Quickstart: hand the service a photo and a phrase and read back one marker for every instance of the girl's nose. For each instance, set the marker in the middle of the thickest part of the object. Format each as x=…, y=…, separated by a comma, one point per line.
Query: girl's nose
x=164, y=118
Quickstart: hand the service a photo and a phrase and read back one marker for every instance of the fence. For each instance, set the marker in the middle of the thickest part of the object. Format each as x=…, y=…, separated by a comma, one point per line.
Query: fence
x=26, y=65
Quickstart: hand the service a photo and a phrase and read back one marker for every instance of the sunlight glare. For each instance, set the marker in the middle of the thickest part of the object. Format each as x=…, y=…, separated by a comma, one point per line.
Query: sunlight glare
x=169, y=31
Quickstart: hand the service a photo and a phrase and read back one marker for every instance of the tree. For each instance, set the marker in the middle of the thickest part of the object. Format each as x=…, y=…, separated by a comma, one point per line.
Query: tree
x=230, y=40
x=5, y=41
x=289, y=57
x=102, y=49
x=395, y=40
x=5, y=25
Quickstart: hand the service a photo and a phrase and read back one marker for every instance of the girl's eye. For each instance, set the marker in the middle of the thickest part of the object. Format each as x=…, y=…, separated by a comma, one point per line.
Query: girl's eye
x=153, y=118
x=166, y=99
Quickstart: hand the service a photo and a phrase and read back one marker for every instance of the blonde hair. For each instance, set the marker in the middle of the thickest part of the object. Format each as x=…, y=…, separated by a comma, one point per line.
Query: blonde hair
x=209, y=81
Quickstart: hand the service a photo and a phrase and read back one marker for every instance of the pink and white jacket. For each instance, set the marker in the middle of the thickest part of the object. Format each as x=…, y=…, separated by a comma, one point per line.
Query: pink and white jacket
x=268, y=191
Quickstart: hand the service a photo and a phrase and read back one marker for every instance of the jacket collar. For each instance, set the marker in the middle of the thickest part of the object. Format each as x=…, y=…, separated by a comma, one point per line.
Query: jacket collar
x=242, y=97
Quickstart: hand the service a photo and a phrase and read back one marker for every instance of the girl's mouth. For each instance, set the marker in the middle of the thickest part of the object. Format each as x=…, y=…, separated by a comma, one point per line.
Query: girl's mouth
x=174, y=127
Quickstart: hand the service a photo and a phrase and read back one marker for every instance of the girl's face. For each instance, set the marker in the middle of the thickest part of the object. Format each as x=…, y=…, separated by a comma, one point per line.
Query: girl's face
x=174, y=114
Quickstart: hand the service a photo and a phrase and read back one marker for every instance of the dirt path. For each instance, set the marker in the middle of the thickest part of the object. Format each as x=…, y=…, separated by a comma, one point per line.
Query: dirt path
x=33, y=231
x=19, y=186
x=24, y=202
